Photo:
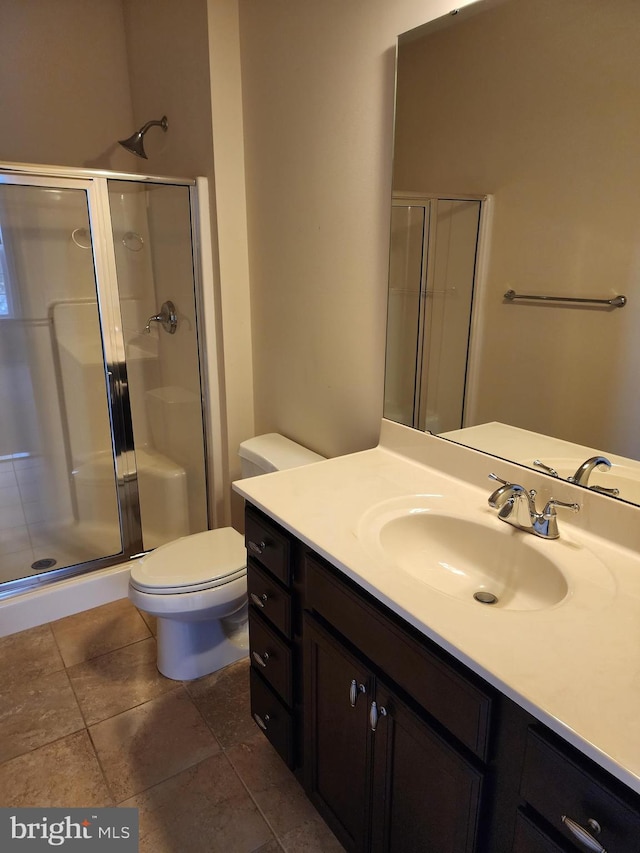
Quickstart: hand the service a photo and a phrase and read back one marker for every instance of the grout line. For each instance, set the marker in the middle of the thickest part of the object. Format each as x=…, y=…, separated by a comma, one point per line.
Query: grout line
x=210, y=728
x=102, y=770
x=133, y=707
x=112, y=652
x=255, y=802
x=75, y=696
x=42, y=746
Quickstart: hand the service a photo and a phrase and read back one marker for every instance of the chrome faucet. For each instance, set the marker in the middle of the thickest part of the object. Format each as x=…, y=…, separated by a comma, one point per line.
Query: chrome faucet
x=581, y=477
x=517, y=506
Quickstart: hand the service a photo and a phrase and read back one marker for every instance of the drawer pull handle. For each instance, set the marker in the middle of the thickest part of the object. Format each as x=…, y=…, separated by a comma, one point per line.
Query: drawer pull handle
x=261, y=722
x=583, y=836
x=374, y=714
x=256, y=547
x=355, y=690
x=262, y=659
x=259, y=600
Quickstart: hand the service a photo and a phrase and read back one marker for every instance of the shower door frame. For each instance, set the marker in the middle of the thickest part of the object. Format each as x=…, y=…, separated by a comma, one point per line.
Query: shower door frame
x=95, y=184
x=428, y=202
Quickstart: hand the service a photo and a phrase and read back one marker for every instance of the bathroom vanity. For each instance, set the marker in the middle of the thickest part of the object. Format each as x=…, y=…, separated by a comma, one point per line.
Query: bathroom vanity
x=417, y=718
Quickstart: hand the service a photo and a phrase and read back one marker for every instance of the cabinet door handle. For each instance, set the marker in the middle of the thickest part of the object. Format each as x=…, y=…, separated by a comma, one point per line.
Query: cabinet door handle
x=259, y=600
x=262, y=722
x=262, y=659
x=374, y=714
x=583, y=836
x=355, y=690
x=256, y=547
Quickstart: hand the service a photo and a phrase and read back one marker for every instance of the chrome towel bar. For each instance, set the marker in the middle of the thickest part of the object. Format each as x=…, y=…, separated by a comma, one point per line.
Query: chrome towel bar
x=614, y=302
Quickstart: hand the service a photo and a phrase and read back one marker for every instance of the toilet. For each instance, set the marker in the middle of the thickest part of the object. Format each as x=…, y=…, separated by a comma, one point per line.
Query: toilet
x=196, y=586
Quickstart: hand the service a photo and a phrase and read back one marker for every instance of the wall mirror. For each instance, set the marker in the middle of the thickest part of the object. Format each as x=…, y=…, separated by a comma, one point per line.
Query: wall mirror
x=517, y=171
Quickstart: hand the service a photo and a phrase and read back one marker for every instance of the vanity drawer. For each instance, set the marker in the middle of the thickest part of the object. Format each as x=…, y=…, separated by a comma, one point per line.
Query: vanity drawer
x=271, y=657
x=269, y=545
x=557, y=781
x=529, y=838
x=451, y=698
x=273, y=719
x=269, y=598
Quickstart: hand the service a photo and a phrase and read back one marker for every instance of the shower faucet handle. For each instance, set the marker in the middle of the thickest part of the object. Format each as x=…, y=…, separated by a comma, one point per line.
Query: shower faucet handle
x=167, y=318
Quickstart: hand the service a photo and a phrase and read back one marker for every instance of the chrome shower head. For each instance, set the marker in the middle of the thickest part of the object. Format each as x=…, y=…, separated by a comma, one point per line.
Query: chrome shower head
x=135, y=143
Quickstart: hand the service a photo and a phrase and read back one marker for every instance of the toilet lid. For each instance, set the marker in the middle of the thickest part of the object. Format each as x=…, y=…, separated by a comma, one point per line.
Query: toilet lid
x=196, y=562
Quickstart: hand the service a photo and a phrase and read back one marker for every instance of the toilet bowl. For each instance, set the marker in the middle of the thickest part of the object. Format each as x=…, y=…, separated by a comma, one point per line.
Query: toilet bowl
x=196, y=586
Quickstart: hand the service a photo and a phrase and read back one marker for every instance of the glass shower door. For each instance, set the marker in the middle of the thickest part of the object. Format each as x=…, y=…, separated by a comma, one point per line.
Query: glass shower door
x=152, y=238
x=58, y=487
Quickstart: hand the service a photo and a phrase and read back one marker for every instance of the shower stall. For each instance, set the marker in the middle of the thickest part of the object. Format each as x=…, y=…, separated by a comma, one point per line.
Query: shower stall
x=103, y=451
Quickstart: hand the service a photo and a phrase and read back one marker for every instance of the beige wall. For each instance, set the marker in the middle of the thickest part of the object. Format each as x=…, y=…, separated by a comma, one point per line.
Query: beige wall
x=168, y=64
x=230, y=202
x=64, y=88
x=318, y=81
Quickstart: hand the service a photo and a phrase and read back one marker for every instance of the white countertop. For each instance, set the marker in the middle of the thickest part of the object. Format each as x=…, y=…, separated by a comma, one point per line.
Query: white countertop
x=575, y=666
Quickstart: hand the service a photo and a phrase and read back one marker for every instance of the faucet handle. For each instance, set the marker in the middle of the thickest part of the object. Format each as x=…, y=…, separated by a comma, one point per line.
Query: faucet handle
x=506, y=493
x=550, y=508
x=547, y=468
x=499, y=479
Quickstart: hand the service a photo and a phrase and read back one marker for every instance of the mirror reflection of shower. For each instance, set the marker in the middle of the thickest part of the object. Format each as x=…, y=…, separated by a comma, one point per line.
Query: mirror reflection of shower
x=432, y=271
x=102, y=451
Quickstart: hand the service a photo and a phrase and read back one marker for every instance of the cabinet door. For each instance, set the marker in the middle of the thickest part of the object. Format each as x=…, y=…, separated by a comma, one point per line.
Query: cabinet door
x=426, y=796
x=336, y=759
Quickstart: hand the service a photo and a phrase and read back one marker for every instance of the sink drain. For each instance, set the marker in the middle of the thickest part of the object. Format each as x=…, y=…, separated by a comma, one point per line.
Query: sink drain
x=485, y=597
x=42, y=565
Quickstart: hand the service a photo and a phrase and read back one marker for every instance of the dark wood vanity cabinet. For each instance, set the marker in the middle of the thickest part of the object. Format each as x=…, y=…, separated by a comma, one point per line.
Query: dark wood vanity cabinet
x=380, y=775
x=571, y=802
x=276, y=686
x=399, y=746
x=382, y=771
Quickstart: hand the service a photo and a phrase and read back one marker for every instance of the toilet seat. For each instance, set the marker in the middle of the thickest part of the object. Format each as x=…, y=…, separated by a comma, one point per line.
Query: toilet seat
x=192, y=563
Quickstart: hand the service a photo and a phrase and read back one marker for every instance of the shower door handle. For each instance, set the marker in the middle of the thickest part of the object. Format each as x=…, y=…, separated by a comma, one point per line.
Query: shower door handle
x=167, y=318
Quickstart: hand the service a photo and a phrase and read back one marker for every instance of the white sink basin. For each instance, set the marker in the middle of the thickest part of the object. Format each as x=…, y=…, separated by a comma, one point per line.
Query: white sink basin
x=480, y=560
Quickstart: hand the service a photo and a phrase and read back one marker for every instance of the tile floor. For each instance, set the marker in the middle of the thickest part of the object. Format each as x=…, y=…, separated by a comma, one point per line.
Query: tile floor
x=87, y=720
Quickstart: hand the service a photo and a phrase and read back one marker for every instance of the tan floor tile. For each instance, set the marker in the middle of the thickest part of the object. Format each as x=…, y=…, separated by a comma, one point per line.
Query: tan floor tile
x=270, y=847
x=63, y=774
x=272, y=785
x=94, y=632
x=204, y=809
x=151, y=622
x=28, y=654
x=224, y=701
x=314, y=836
x=118, y=681
x=150, y=743
x=35, y=713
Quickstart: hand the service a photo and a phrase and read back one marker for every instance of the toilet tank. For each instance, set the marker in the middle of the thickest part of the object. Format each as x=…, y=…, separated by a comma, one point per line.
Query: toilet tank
x=273, y=452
